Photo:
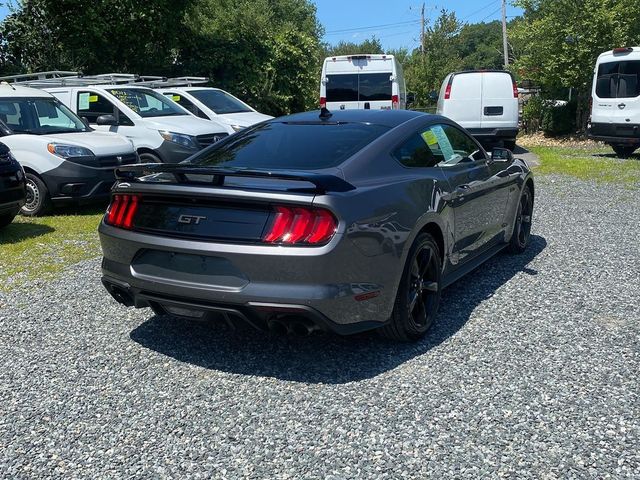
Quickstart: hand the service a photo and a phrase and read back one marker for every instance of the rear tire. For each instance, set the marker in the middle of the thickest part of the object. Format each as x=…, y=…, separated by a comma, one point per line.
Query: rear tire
x=522, y=227
x=509, y=144
x=38, y=200
x=147, y=157
x=623, y=151
x=6, y=219
x=418, y=295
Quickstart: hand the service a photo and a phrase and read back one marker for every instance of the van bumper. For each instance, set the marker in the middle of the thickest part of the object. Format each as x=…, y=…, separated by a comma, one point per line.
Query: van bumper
x=499, y=133
x=615, y=133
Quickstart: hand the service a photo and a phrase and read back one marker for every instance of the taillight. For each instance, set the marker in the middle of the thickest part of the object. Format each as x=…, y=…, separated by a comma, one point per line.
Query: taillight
x=300, y=226
x=515, y=90
x=323, y=102
x=122, y=211
x=447, y=90
x=394, y=102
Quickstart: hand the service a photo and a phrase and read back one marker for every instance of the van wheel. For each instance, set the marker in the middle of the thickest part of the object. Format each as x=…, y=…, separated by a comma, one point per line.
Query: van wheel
x=418, y=294
x=38, y=200
x=147, y=157
x=623, y=151
x=509, y=144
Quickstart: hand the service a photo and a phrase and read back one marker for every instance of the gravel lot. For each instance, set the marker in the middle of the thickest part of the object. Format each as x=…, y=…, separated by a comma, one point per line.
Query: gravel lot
x=530, y=372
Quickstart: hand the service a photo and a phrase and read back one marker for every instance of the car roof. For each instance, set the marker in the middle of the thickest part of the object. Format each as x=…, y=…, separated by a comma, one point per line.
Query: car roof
x=9, y=90
x=390, y=118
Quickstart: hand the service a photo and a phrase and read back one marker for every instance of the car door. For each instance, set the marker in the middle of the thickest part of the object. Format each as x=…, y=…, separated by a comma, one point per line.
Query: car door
x=479, y=207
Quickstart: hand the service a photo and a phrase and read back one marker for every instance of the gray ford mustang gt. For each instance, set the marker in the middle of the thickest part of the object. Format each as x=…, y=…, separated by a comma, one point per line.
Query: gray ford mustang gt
x=343, y=221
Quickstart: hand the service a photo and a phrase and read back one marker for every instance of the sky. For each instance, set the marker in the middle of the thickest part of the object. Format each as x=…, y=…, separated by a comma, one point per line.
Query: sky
x=396, y=23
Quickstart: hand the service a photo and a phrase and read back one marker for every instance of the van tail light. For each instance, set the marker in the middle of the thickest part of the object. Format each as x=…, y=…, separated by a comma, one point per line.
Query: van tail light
x=122, y=211
x=323, y=102
x=395, y=103
x=300, y=226
x=515, y=90
x=447, y=90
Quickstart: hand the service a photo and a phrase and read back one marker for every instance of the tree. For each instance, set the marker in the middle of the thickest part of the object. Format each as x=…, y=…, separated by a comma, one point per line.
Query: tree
x=558, y=41
x=370, y=45
x=480, y=46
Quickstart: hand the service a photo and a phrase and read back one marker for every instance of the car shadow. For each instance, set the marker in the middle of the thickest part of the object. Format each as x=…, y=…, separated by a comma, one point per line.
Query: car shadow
x=614, y=156
x=518, y=150
x=17, y=232
x=326, y=358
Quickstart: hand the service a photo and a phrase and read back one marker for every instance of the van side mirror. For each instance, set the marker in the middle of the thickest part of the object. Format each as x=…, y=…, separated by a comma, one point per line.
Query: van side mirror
x=106, y=120
x=433, y=95
x=501, y=155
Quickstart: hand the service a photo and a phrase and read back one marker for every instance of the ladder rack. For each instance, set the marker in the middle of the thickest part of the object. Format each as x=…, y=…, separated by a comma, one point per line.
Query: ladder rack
x=61, y=78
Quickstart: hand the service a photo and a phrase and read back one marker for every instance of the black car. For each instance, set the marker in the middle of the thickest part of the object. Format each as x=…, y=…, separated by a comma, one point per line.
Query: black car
x=342, y=222
x=13, y=189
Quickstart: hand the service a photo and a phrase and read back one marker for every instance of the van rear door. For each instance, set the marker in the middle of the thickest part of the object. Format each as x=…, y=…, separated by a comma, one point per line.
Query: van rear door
x=464, y=104
x=617, y=93
x=499, y=108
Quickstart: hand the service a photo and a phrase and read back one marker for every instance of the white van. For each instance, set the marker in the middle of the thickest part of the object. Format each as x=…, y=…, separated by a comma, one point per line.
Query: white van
x=160, y=129
x=485, y=102
x=615, y=110
x=64, y=160
x=373, y=82
x=215, y=104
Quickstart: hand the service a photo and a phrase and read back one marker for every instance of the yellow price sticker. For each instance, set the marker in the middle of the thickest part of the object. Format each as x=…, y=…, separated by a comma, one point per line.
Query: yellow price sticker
x=175, y=98
x=93, y=98
x=430, y=138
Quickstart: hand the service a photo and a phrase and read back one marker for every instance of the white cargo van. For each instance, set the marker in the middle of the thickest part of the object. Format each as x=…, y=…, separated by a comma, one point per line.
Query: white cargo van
x=485, y=102
x=215, y=104
x=615, y=110
x=160, y=129
x=64, y=160
x=373, y=82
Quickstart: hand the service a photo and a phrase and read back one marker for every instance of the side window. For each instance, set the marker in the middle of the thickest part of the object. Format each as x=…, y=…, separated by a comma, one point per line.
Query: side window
x=415, y=153
x=91, y=105
x=463, y=144
x=188, y=104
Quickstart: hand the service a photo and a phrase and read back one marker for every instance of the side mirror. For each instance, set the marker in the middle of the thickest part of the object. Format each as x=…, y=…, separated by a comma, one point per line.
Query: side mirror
x=411, y=97
x=106, y=120
x=433, y=95
x=501, y=155
x=85, y=120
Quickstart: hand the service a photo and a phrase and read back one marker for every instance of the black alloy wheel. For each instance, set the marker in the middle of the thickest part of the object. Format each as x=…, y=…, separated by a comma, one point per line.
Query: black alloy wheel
x=419, y=292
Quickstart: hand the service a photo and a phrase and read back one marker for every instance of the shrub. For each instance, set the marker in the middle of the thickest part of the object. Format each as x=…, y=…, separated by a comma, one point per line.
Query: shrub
x=558, y=119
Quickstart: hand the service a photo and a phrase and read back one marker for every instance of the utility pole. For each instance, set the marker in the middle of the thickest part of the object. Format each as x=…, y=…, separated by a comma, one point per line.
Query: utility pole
x=505, y=47
x=422, y=31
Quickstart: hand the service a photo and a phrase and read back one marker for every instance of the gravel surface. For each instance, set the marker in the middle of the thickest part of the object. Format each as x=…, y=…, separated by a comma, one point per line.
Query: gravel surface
x=531, y=371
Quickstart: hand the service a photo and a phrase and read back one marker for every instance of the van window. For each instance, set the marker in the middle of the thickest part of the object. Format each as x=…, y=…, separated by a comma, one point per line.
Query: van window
x=618, y=79
x=188, y=104
x=146, y=103
x=39, y=116
x=280, y=145
x=219, y=101
x=342, y=88
x=91, y=105
x=364, y=87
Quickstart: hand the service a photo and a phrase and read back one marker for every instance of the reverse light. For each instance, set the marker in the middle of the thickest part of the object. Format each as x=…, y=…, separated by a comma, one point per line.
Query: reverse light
x=395, y=104
x=122, y=211
x=300, y=226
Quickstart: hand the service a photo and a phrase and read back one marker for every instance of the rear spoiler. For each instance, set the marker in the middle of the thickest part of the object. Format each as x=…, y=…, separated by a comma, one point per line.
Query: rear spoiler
x=323, y=182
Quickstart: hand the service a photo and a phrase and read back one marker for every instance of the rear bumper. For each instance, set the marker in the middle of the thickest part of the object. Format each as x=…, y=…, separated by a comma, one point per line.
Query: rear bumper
x=487, y=133
x=615, y=133
x=333, y=287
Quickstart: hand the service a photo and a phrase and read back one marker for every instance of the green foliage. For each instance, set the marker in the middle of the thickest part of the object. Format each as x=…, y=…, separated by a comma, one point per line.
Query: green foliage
x=264, y=51
x=480, y=46
x=558, y=119
x=370, y=45
x=532, y=113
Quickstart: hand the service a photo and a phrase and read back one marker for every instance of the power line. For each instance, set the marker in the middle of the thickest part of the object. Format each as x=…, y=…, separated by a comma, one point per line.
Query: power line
x=491, y=14
x=480, y=10
x=373, y=27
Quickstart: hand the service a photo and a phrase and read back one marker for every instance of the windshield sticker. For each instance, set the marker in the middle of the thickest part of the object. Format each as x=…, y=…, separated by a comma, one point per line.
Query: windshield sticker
x=93, y=98
x=175, y=98
x=83, y=101
x=130, y=100
x=443, y=141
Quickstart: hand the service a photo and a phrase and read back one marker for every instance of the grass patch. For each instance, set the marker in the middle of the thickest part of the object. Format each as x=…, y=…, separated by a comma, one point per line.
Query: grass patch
x=41, y=247
x=589, y=164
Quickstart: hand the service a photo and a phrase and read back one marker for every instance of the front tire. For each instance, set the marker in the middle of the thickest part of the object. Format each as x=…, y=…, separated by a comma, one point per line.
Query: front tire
x=623, y=151
x=418, y=295
x=147, y=157
x=38, y=200
x=6, y=219
x=522, y=226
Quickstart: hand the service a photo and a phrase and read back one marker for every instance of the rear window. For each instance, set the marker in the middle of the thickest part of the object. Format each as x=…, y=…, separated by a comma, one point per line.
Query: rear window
x=618, y=79
x=364, y=87
x=303, y=146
